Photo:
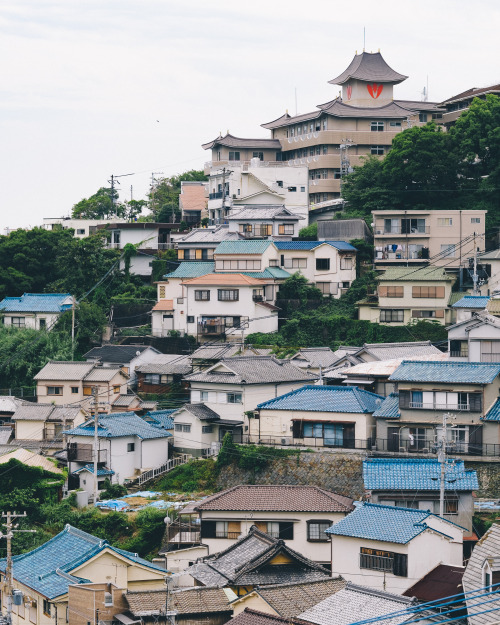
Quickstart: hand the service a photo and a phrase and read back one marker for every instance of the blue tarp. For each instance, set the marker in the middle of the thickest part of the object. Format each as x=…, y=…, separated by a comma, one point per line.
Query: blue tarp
x=113, y=504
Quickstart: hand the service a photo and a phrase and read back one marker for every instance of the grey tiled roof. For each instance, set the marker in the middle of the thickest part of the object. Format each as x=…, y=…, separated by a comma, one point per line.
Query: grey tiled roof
x=165, y=364
x=315, y=356
x=201, y=600
x=64, y=370
x=43, y=412
x=357, y=603
x=237, y=142
x=281, y=498
x=368, y=66
x=254, y=617
x=200, y=411
x=388, y=351
x=226, y=350
x=103, y=374
x=125, y=399
x=120, y=354
x=252, y=370
x=208, y=235
x=269, y=212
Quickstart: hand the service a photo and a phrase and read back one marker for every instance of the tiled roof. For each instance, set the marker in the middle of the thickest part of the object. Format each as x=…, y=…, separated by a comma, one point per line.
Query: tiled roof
x=342, y=246
x=493, y=413
x=493, y=306
x=162, y=418
x=473, y=93
x=30, y=443
x=389, y=408
x=410, y=274
x=242, y=247
x=191, y=270
x=226, y=350
x=359, y=603
x=200, y=411
x=225, y=279
x=166, y=363
x=447, y=371
x=207, y=235
x=289, y=600
x=455, y=296
x=189, y=601
x=472, y=301
x=416, y=474
x=231, y=141
x=48, y=568
x=258, y=213
x=90, y=468
x=269, y=272
x=118, y=354
x=384, y=523
x=31, y=460
x=42, y=412
x=281, y=498
x=254, y=617
x=442, y=582
x=368, y=66
x=164, y=304
x=118, y=424
x=314, y=356
x=246, y=563
x=104, y=374
x=9, y=403
x=125, y=400
x=62, y=370
x=384, y=368
x=392, y=110
x=37, y=303
x=388, y=351
x=251, y=370
x=325, y=399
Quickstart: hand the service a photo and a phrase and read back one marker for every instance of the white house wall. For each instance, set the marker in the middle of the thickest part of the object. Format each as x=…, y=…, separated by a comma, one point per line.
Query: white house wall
x=31, y=320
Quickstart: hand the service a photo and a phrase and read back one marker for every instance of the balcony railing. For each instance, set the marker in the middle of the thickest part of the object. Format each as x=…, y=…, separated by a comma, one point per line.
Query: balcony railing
x=217, y=195
x=230, y=535
x=434, y=406
x=258, y=298
x=461, y=353
x=85, y=453
x=402, y=230
x=375, y=563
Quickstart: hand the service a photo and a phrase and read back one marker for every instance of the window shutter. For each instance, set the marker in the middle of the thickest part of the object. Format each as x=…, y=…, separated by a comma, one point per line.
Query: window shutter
x=195, y=396
x=382, y=291
x=416, y=314
x=208, y=529
x=415, y=291
x=440, y=314
x=440, y=291
x=222, y=398
x=475, y=403
x=404, y=399
x=212, y=397
x=297, y=429
x=400, y=565
x=286, y=531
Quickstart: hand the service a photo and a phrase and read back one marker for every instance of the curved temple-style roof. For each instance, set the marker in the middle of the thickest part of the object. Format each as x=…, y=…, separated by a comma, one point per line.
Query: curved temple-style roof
x=368, y=66
x=236, y=142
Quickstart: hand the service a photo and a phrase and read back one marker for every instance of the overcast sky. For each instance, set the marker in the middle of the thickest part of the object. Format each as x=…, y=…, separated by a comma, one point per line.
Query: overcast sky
x=92, y=88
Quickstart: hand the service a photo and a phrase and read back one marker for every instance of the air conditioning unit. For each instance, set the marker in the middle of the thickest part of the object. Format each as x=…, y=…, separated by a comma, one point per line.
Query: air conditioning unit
x=283, y=441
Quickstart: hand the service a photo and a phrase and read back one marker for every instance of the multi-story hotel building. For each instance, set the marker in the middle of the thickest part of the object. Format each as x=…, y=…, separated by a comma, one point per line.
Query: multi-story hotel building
x=362, y=120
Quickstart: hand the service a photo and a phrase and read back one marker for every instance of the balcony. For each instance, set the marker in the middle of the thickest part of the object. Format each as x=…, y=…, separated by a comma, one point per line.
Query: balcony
x=258, y=298
x=218, y=195
x=433, y=406
x=464, y=353
x=85, y=453
x=230, y=535
x=257, y=232
x=375, y=563
x=383, y=231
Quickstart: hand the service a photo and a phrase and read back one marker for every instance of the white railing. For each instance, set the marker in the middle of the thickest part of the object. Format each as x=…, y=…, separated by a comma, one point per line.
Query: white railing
x=164, y=468
x=434, y=406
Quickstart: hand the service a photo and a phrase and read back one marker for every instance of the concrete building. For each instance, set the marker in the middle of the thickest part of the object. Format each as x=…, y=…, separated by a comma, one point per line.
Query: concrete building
x=82, y=227
x=458, y=104
x=193, y=201
x=38, y=311
x=412, y=237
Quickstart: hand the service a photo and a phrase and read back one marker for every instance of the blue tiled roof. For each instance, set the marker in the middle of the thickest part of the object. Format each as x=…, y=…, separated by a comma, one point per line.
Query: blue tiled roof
x=472, y=301
x=310, y=245
x=385, y=523
x=446, y=371
x=119, y=424
x=416, y=474
x=162, y=418
x=90, y=467
x=269, y=272
x=242, y=247
x=493, y=413
x=389, y=409
x=191, y=270
x=36, y=302
x=48, y=568
x=325, y=399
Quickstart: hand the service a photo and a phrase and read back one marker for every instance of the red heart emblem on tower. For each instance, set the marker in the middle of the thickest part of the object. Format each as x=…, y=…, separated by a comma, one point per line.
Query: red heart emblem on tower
x=349, y=91
x=374, y=90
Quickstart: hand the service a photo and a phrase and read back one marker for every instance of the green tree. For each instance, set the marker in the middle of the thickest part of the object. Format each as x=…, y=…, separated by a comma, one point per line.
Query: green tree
x=164, y=197
x=309, y=233
x=101, y=205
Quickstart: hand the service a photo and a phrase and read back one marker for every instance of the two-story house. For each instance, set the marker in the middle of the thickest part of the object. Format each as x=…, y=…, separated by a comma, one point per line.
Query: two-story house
x=467, y=305
x=71, y=382
x=407, y=294
x=234, y=386
x=412, y=419
x=258, y=222
x=476, y=339
x=298, y=515
x=392, y=547
x=39, y=311
x=128, y=357
x=412, y=237
x=317, y=416
x=200, y=244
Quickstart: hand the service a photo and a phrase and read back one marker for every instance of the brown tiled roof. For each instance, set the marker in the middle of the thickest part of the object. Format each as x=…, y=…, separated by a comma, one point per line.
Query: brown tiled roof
x=368, y=66
x=290, y=600
x=389, y=111
x=472, y=93
x=227, y=279
x=189, y=601
x=277, y=498
x=164, y=304
x=237, y=142
x=254, y=617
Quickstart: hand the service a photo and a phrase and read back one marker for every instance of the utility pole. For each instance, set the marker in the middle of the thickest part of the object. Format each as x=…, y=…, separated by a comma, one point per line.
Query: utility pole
x=11, y=529
x=95, y=391
x=223, y=212
x=112, y=182
x=475, y=277
x=442, y=461
x=73, y=328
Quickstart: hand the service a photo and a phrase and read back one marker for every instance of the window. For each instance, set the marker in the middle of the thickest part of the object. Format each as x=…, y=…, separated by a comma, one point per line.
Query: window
x=258, y=155
x=440, y=400
x=324, y=287
x=202, y=296
x=182, y=427
x=74, y=389
x=207, y=429
x=395, y=124
x=475, y=220
x=451, y=506
x=392, y=316
x=325, y=124
x=116, y=388
x=203, y=395
x=447, y=250
x=490, y=351
x=87, y=390
x=80, y=231
x=228, y=295
x=273, y=263
x=429, y=292
x=42, y=324
x=322, y=264
x=18, y=322
x=391, y=291
x=190, y=319
x=336, y=174
x=152, y=378
x=234, y=156
x=316, y=530
x=234, y=398
x=302, y=189
x=130, y=446
x=422, y=117
x=387, y=561
x=46, y=607
x=292, y=189
x=294, y=263
x=346, y=262
x=377, y=150
x=377, y=126
x=445, y=221
x=285, y=229
x=54, y=390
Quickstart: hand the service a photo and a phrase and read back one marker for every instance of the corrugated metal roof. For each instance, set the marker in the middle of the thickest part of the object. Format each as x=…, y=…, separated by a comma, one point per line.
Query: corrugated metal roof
x=191, y=270
x=242, y=247
x=385, y=523
x=389, y=409
x=119, y=424
x=410, y=274
x=349, y=399
x=472, y=301
x=310, y=245
x=416, y=474
x=448, y=371
x=37, y=303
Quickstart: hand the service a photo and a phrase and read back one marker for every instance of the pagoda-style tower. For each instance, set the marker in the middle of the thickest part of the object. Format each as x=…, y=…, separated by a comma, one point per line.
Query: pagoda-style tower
x=368, y=81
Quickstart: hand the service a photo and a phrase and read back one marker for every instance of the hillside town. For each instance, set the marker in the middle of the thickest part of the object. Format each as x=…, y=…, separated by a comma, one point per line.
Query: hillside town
x=269, y=401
